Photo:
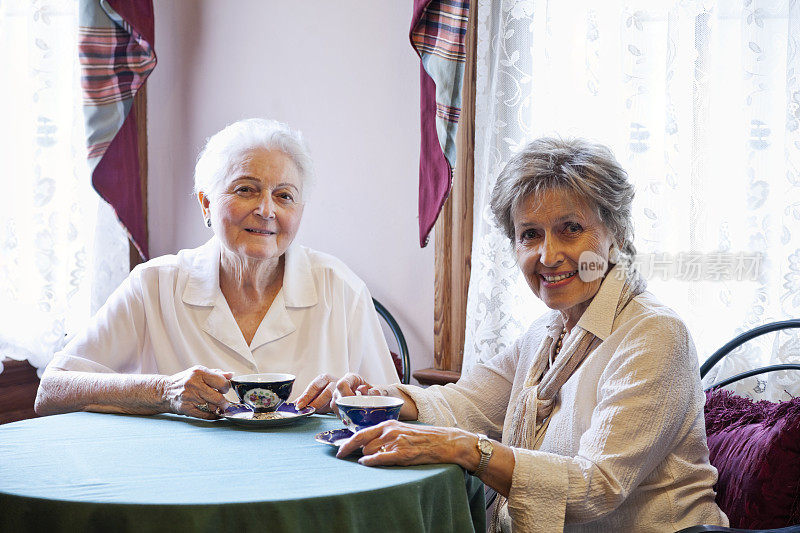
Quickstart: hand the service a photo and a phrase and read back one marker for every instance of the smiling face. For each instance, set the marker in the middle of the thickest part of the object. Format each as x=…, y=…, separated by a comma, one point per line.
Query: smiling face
x=257, y=211
x=551, y=230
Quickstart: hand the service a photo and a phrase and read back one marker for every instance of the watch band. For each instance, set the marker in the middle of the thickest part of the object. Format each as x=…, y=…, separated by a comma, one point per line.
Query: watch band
x=485, y=448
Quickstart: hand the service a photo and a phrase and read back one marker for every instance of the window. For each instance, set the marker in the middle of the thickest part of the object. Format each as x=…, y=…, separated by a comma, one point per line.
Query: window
x=61, y=249
x=700, y=102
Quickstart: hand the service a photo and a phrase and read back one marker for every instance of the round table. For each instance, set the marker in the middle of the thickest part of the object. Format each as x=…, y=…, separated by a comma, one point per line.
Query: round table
x=91, y=471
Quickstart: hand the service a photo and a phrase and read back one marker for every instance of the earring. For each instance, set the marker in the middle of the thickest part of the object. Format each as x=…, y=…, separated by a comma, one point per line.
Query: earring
x=208, y=222
x=613, y=254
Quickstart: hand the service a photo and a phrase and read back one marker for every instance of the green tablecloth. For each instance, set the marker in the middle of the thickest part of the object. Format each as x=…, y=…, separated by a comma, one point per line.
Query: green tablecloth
x=99, y=472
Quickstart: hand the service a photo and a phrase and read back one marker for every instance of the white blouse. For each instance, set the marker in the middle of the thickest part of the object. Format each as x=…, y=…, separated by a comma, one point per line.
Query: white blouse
x=626, y=446
x=170, y=314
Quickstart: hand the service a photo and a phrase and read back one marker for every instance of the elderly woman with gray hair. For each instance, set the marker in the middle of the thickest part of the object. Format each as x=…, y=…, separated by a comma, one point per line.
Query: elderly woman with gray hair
x=247, y=301
x=593, y=419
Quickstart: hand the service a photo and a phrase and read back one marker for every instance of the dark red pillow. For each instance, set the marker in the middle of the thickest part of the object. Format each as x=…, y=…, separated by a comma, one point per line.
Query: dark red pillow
x=398, y=364
x=755, y=446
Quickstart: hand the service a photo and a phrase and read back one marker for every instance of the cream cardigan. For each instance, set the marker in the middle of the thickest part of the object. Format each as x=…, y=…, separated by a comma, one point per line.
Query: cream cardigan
x=626, y=446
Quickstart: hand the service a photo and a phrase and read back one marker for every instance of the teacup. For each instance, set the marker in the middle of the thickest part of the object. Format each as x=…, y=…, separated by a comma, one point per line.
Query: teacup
x=359, y=412
x=263, y=392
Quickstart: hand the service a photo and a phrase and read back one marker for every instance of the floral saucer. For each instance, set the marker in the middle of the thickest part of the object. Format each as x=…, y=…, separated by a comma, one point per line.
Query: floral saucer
x=243, y=415
x=333, y=437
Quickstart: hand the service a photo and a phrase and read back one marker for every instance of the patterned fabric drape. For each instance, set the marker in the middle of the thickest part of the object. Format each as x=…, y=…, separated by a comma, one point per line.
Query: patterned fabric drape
x=700, y=102
x=116, y=53
x=62, y=250
x=438, y=31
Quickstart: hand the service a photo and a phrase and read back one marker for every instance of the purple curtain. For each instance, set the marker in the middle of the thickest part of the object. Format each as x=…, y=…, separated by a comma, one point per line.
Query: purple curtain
x=117, y=55
x=438, y=32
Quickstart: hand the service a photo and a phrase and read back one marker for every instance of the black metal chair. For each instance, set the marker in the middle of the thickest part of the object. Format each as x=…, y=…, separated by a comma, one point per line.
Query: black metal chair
x=401, y=360
x=708, y=365
x=717, y=356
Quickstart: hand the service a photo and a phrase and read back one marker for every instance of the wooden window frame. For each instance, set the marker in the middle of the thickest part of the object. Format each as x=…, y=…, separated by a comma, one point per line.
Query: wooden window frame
x=140, y=108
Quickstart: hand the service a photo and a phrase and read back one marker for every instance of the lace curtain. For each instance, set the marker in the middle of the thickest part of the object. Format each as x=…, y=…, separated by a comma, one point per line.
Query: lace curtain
x=700, y=102
x=62, y=251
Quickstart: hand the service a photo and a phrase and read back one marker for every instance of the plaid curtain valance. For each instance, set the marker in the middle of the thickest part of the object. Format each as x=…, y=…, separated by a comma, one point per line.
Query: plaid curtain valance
x=438, y=33
x=115, y=41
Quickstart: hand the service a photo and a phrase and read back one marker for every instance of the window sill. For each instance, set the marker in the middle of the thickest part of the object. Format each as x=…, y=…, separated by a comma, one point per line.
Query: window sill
x=18, y=385
x=432, y=376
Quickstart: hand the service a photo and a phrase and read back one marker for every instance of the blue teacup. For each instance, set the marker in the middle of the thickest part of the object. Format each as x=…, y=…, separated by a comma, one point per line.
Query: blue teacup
x=359, y=412
x=263, y=392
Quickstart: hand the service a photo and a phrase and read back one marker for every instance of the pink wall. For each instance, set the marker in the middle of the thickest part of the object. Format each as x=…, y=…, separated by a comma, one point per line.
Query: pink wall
x=345, y=76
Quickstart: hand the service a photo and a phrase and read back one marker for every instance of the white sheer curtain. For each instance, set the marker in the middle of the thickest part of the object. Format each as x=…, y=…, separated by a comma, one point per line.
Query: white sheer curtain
x=700, y=102
x=62, y=250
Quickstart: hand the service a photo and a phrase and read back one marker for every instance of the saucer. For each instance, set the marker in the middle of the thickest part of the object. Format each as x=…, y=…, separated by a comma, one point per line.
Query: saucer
x=334, y=437
x=243, y=415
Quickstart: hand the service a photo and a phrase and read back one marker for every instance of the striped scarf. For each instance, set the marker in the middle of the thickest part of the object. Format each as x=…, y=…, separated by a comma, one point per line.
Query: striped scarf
x=549, y=372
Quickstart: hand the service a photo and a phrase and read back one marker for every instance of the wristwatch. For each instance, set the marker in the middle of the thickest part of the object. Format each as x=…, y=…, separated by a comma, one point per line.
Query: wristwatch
x=485, y=448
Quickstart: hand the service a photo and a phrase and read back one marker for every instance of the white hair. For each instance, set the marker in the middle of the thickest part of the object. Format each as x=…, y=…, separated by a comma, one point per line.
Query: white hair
x=223, y=149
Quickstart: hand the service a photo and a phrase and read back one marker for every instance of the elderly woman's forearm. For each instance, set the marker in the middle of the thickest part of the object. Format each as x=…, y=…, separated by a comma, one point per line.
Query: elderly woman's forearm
x=67, y=391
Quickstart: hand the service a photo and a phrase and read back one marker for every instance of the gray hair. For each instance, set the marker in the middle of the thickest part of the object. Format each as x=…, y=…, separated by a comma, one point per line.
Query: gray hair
x=585, y=168
x=222, y=150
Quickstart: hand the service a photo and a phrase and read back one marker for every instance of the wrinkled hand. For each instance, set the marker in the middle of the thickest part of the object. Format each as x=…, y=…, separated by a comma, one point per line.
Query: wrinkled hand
x=323, y=392
x=398, y=443
x=318, y=394
x=195, y=386
x=352, y=384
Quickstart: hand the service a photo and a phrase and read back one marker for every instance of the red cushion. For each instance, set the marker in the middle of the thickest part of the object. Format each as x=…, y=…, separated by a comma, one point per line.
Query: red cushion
x=755, y=446
x=398, y=364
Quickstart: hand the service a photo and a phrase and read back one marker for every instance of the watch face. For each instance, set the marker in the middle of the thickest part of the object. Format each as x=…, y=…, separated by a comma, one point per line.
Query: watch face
x=485, y=446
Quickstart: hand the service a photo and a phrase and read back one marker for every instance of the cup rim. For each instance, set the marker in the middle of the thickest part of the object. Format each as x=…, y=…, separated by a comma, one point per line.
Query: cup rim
x=266, y=377
x=371, y=401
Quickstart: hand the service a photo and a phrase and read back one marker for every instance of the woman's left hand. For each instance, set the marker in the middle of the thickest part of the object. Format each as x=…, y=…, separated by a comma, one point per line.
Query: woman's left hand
x=318, y=394
x=398, y=443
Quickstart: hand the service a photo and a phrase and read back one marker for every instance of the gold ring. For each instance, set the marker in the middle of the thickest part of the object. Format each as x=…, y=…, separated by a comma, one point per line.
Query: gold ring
x=203, y=407
x=383, y=448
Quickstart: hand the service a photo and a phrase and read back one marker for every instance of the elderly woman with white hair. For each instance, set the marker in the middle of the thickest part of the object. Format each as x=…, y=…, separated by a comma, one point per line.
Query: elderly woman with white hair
x=248, y=301
x=593, y=419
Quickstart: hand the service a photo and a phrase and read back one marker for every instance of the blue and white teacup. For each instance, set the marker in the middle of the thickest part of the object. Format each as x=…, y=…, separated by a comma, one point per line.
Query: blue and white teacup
x=359, y=412
x=263, y=392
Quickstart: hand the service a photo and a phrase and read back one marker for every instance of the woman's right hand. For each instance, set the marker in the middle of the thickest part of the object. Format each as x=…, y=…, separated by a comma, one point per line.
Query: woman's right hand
x=322, y=393
x=352, y=384
x=197, y=391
